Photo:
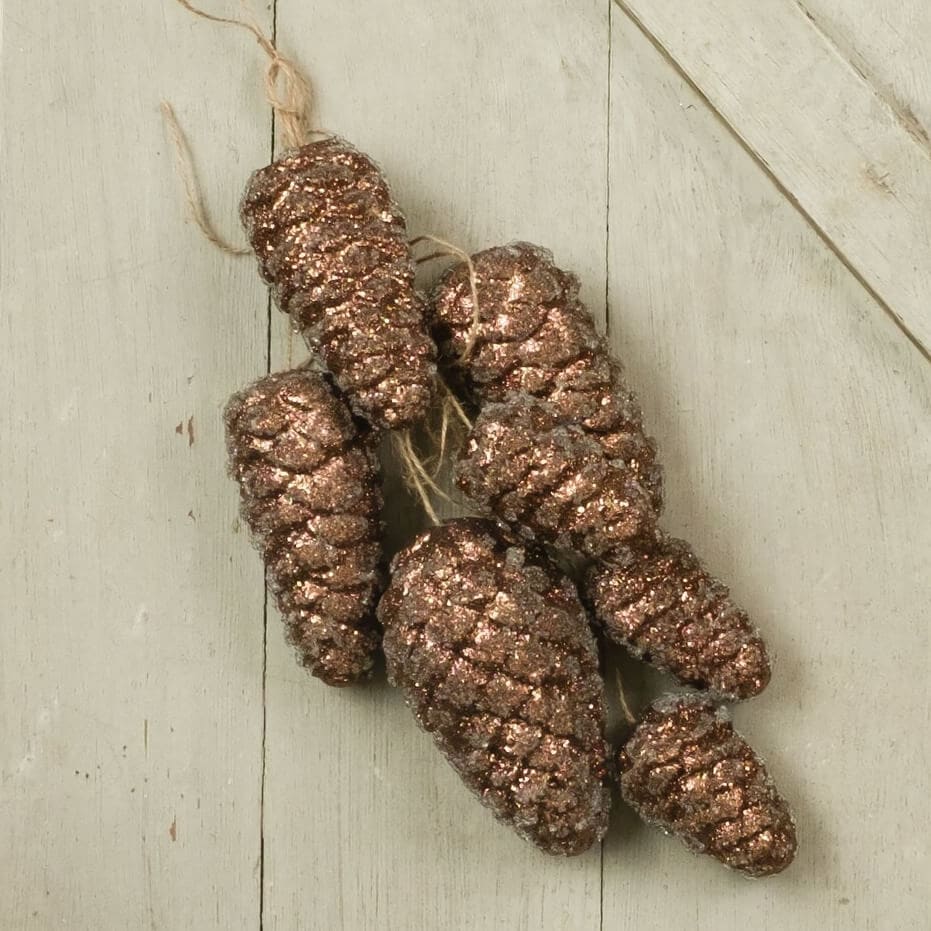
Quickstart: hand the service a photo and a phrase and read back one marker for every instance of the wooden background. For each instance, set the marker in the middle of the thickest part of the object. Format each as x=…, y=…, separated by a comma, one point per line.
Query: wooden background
x=745, y=191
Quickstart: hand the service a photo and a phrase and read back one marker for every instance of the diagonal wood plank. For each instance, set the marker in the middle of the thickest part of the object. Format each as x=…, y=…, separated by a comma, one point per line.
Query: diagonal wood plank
x=131, y=675
x=131, y=671
x=837, y=148
x=490, y=121
x=887, y=44
x=791, y=417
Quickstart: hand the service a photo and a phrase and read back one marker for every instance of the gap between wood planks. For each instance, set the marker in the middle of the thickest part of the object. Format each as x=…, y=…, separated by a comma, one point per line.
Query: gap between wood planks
x=607, y=313
x=761, y=162
x=268, y=368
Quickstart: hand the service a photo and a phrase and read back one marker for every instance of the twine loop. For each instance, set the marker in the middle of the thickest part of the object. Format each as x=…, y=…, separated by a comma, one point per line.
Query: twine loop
x=286, y=88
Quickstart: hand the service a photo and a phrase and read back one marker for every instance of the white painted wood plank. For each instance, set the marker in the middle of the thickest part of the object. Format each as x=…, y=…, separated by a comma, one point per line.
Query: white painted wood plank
x=887, y=43
x=130, y=678
x=792, y=419
x=839, y=150
x=490, y=121
x=130, y=714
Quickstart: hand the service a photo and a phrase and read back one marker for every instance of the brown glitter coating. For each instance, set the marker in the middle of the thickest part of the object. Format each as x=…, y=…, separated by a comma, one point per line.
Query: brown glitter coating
x=535, y=337
x=310, y=491
x=685, y=769
x=660, y=602
x=332, y=243
x=494, y=653
x=551, y=480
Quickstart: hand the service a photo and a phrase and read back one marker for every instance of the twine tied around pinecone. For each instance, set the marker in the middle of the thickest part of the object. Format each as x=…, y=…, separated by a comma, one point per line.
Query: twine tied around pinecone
x=290, y=94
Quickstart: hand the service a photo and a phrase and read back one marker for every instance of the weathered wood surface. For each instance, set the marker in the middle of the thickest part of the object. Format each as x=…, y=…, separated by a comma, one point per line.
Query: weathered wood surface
x=131, y=713
x=157, y=768
x=793, y=419
x=846, y=150
x=887, y=45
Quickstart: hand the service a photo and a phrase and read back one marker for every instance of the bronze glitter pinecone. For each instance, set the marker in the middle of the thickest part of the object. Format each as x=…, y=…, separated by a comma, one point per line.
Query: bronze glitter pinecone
x=333, y=244
x=551, y=480
x=685, y=769
x=492, y=648
x=534, y=336
x=310, y=491
x=660, y=602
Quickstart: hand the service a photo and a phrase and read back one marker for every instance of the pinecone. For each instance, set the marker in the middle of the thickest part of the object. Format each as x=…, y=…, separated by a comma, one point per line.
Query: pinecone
x=332, y=242
x=536, y=337
x=685, y=769
x=310, y=493
x=493, y=650
x=660, y=602
x=551, y=480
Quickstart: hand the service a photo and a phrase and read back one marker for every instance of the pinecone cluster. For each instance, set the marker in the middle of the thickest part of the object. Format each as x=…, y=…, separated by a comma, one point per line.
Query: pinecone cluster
x=558, y=454
x=488, y=639
x=535, y=337
x=332, y=243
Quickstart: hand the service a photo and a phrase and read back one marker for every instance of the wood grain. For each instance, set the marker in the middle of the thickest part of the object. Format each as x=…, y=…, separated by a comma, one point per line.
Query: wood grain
x=886, y=45
x=792, y=420
x=131, y=669
x=835, y=145
x=153, y=772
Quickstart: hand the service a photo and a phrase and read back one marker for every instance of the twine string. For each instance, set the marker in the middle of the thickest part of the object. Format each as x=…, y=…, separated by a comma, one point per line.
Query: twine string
x=448, y=249
x=286, y=88
x=416, y=475
x=184, y=162
x=622, y=699
x=456, y=407
x=453, y=423
x=420, y=475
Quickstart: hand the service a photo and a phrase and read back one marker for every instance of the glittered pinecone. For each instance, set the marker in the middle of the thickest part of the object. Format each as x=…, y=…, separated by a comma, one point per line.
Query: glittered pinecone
x=494, y=653
x=535, y=336
x=660, y=602
x=332, y=243
x=310, y=493
x=685, y=769
x=551, y=480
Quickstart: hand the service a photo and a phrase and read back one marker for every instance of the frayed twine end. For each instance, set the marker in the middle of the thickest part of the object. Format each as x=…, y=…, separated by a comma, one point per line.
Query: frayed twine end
x=419, y=473
x=184, y=162
x=454, y=422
